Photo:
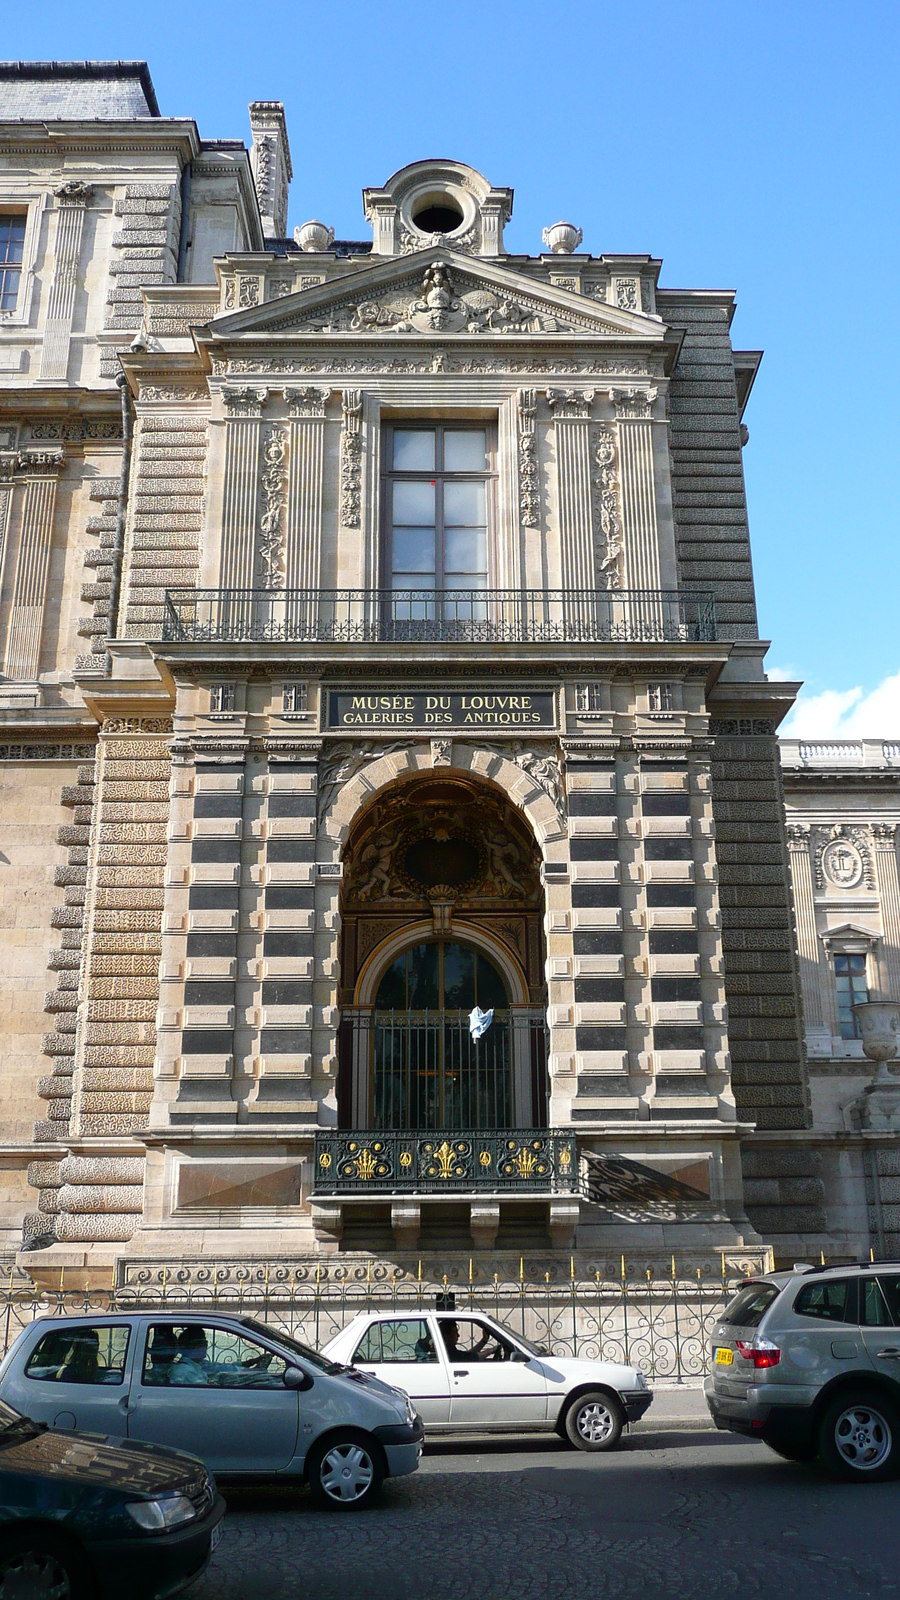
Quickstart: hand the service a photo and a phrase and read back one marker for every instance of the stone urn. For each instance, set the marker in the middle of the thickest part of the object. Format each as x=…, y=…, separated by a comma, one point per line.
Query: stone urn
x=879, y=1103
x=562, y=238
x=314, y=236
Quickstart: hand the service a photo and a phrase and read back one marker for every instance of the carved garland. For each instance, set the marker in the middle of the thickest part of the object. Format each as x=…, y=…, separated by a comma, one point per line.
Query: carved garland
x=273, y=481
x=528, y=471
x=607, y=522
x=351, y=459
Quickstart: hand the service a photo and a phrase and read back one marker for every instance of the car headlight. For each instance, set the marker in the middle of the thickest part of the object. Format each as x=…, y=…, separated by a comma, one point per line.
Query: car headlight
x=168, y=1512
x=640, y=1380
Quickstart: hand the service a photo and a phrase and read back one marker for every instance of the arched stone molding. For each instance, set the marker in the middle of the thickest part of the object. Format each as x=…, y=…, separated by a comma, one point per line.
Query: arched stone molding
x=477, y=761
x=463, y=932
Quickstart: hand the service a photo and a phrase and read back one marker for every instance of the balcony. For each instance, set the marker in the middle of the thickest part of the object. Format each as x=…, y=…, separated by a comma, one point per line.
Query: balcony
x=428, y=616
x=449, y=1161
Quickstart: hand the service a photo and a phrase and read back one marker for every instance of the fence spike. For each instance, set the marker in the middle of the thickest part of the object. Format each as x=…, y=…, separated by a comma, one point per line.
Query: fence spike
x=822, y=1257
x=470, y=1269
x=871, y=1253
x=420, y=1271
x=572, y=1266
x=623, y=1269
x=521, y=1269
x=673, y=1266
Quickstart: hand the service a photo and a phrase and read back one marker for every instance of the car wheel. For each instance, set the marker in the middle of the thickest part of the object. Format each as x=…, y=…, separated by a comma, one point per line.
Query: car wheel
x=345, y=1473
x=595, y=1421
x=35, y=1566
x=859, y=1438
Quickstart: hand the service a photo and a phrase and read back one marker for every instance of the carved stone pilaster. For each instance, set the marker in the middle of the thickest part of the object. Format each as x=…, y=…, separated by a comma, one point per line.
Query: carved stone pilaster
x=243, y=409
x=306, y=408
x=270, y=160
x=351, y=458
x=640, y=532
x=805, y=916
x=571, y=410
x=72, y=200
x=244, y=401
x=606, y=509
x=26, y=612
x=885, y=849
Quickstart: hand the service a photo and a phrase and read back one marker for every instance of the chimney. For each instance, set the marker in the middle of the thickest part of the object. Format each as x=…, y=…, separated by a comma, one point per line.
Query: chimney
x=270, y=160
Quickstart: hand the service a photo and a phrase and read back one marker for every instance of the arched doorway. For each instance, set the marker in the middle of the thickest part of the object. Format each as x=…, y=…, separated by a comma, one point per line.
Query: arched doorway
x=442, y=911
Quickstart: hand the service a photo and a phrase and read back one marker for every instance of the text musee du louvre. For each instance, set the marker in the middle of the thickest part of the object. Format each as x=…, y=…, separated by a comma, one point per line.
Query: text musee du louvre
x=441, y=710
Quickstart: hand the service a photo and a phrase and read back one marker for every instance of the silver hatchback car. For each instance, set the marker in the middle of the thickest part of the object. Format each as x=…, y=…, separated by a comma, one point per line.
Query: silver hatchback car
x=247, y=1399
x=809, y=1362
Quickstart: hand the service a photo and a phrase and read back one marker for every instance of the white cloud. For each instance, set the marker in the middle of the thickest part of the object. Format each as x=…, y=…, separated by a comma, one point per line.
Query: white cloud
x=786, y=674
x=848, y=713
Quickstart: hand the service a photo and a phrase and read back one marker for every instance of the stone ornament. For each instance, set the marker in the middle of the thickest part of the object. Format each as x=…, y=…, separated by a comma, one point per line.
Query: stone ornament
x=273, y=492
x=314, y=236
x=562, y=238
x=607, y=520
x=529, y=499
x=843, y=859
x=351, y=458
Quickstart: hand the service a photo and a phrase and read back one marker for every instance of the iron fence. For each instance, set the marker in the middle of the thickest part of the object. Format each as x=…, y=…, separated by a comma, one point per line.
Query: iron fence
x=658, y=1321
x=524, y=1159
x=446, y=616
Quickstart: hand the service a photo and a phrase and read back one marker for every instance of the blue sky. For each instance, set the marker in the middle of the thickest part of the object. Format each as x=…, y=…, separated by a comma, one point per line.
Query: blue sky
x=752, y=146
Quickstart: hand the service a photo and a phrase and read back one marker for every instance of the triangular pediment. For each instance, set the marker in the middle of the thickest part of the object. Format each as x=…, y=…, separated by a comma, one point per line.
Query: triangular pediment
x=438, y=293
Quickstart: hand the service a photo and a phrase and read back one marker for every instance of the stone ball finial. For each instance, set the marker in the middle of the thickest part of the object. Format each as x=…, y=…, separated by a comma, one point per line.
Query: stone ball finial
x=314, y=236
x=562, y=238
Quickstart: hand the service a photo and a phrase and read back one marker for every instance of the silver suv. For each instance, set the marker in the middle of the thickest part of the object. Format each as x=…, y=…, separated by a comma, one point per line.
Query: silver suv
x=809, y=1362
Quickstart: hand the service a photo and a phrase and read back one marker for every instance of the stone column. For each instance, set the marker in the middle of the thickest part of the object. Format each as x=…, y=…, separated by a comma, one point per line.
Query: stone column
x=72, y=199
x=571, y=415
x=303, y=557
x=884, y=839
x=639, y=525
x=243, y=409
x=26, y=612
x=805, y=917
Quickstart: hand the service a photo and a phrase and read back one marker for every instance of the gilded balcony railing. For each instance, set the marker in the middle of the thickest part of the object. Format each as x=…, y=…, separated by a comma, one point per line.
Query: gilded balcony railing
x=451, y=1160
x=445, y=616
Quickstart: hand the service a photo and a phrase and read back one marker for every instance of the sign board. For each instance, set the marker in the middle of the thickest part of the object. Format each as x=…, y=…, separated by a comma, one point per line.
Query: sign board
x=488, y=708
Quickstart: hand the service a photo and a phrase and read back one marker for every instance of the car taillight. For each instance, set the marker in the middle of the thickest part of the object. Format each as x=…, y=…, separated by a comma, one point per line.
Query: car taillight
x=761, y=1353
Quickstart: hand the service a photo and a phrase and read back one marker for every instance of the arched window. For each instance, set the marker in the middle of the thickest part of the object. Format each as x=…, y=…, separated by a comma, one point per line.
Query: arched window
x=427, y=1070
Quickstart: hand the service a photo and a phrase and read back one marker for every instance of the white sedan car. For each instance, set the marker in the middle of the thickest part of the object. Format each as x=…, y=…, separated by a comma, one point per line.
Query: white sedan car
x=466, y=1374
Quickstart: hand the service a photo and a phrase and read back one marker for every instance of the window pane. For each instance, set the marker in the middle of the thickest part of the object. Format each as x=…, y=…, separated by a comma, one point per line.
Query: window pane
x=829, y=1302
x=12, y=238
x=407, y=1341
x=9, y=288
x=413, y=450
x=873, y=1312
x=369, y=1347
x=80, y=1355
x=194, y=1357
x=891, y=1288
x=423, y=978
x=413, y=550
x=490, y=988
x=459, y=977
x=465, y=550
x=414, y=504
x=463, y=505
x=750, y=1305
x=391, y=994
x=464, y=450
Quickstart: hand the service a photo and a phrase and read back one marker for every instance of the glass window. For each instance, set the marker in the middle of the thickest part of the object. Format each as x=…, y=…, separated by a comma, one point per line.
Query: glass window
x=873, y=1308
x=80, y=1355
x=369, y=1347
x=407, y=1341
x=192, y=1356
x=441, y=976
x=850, y=979
x=12, y=244
x=828, y=1302
x=436, y=494
x=750, y=1305
x=468, y=1339
x=660, y=697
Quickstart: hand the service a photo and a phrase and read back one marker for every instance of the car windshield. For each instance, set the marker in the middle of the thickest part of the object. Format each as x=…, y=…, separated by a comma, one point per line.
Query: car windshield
x=302, y=1351
x=514, y=1338
x=748, y=1307
x=9, y=1417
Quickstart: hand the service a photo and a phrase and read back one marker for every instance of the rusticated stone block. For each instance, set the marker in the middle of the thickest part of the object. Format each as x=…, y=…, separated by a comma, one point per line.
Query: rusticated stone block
x=108, y=1124
x=113, y=1055
x=787, y=1219
x=80, y=1198
x=132, y=1079
x=101, y=1169
x=788, y=1161
x=45, y=1174
x=83, y=1229
x=121, y=1033
x=48, y=1202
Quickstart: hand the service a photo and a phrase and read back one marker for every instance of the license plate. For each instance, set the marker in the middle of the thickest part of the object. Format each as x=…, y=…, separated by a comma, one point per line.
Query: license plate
x=724, y=1358
x=216, y=1536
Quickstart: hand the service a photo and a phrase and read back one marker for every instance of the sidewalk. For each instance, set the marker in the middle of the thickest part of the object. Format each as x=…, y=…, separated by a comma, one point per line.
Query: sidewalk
x=676, y=1407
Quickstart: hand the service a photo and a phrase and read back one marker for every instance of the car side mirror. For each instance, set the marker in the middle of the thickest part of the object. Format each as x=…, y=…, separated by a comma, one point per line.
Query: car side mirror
x=296, y=1378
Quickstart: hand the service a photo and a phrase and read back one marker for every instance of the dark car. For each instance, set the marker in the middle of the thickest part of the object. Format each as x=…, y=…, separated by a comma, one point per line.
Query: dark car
x=83, y=1517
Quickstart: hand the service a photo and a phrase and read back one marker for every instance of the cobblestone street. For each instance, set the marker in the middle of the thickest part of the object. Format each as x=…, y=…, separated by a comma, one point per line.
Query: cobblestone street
x=669, y=1516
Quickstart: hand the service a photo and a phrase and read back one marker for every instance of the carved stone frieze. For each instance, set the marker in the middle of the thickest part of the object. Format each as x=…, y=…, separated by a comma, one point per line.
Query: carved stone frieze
x=74, y=193
x=352, y=364
x=340, y=762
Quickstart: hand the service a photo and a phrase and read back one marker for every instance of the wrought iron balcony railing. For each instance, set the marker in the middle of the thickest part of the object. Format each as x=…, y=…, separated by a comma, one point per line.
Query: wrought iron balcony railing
x=445, y=616
x=446, y=1162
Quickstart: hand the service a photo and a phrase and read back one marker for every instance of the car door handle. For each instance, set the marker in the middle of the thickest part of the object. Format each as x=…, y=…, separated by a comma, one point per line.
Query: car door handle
x=891, y=1352
x=464, y=1372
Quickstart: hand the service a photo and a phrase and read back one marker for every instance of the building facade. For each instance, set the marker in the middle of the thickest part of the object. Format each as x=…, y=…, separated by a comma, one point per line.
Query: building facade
x=382, y=612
